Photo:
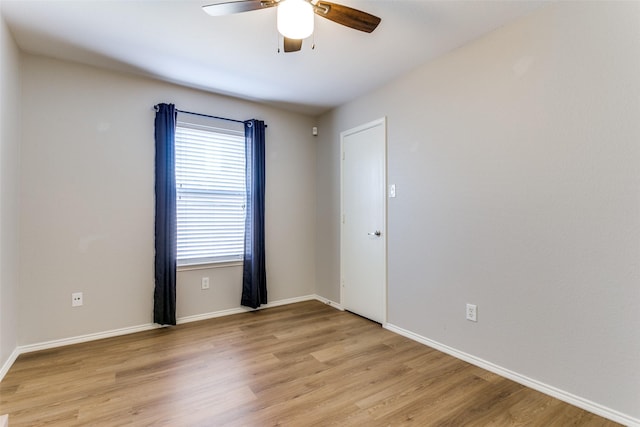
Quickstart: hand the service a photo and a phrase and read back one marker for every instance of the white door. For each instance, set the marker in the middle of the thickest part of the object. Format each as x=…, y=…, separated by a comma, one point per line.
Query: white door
x=363, y=230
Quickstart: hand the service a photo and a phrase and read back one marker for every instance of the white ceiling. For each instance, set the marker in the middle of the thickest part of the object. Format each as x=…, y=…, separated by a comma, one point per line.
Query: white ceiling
x=174, y=40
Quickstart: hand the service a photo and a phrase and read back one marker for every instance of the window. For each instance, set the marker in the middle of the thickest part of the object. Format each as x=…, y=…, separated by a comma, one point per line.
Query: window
x=210, y=192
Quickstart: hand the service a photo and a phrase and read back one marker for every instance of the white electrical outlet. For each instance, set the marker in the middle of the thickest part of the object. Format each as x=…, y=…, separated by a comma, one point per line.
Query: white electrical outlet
x=472, y=312
x=76, y=299
x=205, y=283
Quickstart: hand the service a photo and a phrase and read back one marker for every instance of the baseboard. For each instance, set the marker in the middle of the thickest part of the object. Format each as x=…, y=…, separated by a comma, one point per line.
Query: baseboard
x=211, y=315
x=238, y=310
x=9, y=362
x=329, y=302
x=521, y=379
x=86, y=338
x=69, y=341
x=140, y=328
x=221, y=313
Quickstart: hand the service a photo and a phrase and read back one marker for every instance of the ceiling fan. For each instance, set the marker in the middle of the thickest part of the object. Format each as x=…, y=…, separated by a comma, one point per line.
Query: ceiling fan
x=295, y=17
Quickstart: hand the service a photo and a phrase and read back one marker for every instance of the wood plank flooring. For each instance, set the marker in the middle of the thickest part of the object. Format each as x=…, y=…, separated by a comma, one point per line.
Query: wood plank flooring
x=304, y=364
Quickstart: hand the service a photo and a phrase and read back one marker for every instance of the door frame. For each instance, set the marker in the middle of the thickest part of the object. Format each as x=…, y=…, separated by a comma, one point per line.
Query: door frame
x=381, y=121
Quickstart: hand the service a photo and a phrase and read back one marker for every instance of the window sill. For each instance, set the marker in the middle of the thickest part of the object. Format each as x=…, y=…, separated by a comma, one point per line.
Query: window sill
x=208, y=265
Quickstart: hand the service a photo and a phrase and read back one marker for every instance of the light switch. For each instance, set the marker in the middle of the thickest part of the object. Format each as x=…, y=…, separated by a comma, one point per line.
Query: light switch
x=392, y=190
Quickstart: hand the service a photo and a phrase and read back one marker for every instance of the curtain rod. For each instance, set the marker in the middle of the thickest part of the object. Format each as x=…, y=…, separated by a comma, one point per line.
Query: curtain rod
x=211, y=117
x=207, y=115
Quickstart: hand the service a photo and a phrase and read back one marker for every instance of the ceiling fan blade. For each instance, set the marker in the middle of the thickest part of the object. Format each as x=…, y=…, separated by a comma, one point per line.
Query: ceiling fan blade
x=292, y=45
x=352, y=18
x=231, y=7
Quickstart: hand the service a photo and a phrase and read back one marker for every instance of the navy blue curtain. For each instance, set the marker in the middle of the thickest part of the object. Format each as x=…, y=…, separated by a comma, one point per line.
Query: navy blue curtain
x=254, y=277
x=164, y=297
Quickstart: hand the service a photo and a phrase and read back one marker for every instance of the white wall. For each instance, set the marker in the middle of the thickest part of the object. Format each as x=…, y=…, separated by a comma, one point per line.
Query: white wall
x=516, y=160
x=9, y=194
x=88, y=200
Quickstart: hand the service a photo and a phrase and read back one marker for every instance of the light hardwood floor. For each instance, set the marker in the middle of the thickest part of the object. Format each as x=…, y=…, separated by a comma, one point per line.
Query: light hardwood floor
x=304, y=364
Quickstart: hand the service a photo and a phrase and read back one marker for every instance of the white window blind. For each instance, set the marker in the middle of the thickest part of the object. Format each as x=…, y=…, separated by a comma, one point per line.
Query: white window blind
x=210, y=192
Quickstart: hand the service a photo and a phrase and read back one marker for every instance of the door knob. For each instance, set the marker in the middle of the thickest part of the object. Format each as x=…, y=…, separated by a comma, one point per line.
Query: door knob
x=376, y=233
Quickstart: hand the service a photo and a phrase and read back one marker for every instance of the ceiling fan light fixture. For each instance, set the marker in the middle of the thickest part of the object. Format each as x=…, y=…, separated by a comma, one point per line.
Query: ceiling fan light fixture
x=295, y=19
